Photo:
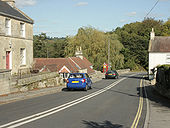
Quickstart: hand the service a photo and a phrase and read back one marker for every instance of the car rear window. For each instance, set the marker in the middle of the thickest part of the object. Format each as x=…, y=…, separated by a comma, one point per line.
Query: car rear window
x=76, y=76
x=111, y=71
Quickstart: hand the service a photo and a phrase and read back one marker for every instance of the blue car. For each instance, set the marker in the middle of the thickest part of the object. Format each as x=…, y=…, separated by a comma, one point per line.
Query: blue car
x=79, y=81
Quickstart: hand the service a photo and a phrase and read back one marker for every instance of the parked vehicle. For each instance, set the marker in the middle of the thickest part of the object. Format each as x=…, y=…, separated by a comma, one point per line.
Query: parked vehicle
x=111, y=74
x=79, y=81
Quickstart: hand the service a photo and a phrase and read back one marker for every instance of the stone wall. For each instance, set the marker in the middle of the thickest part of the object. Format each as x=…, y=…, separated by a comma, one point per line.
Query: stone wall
x=39, y=81
x=123, y=71
x=99, y=76
x=5, y=79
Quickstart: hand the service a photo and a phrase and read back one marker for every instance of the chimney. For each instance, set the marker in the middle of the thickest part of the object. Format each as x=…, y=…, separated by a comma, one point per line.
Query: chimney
x=10, y=2
x=152, y=35
x=79, y=53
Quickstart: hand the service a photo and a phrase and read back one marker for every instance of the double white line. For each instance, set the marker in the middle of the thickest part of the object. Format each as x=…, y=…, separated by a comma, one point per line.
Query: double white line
x=46, y=113
x=140, y=107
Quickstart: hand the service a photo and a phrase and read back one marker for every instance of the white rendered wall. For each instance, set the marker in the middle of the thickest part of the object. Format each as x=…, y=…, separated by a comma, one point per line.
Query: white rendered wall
x=156, y=59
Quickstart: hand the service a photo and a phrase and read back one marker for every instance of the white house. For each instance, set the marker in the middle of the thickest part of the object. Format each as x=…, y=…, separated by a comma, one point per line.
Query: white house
x=159, y=50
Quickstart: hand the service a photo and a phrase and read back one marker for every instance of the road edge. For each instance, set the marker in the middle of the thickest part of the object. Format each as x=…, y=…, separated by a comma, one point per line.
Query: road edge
x=147, y=118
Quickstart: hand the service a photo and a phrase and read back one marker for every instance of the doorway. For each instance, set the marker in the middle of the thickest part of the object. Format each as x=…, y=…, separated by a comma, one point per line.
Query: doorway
x=8, y=59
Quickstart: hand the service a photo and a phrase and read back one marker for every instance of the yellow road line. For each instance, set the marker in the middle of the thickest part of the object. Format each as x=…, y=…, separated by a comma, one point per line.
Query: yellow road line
x=140, y=107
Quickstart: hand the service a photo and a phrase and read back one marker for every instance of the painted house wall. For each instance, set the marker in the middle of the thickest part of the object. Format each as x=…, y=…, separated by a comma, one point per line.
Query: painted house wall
x=156, y=59
x=14, y=43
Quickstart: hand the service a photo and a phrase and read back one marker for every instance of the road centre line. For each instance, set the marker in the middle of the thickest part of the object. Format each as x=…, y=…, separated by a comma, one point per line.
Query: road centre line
x=140, y=107
x=58, y=108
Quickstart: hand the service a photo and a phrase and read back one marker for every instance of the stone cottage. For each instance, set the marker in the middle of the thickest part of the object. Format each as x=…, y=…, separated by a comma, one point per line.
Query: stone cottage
x=159, y=50
x=16, y=38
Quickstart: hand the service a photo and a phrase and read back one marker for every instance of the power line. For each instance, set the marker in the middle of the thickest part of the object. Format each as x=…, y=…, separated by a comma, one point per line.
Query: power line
x=151, y=9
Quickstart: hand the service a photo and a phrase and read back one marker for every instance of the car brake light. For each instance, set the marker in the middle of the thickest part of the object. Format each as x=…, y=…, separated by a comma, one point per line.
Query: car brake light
x=83, y=80
x=67, y=81
x=114, y=74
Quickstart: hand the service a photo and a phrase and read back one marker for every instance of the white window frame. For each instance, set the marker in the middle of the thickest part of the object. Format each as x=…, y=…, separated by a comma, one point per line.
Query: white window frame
x=22, y=56
x=22, y=29
x=168, y=58
x=8, y=26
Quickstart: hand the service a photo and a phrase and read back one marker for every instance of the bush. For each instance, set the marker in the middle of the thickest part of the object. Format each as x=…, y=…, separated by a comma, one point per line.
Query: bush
x=163, y=76
x=165, y=67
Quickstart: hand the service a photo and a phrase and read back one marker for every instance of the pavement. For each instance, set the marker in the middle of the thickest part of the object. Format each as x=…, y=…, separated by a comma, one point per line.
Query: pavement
x=159, y=108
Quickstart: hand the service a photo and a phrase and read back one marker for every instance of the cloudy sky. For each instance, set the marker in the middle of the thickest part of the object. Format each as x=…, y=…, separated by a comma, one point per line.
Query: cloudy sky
x=60, y=18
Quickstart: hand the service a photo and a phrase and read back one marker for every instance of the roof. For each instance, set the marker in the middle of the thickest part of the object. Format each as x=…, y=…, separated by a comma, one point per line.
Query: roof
x=13, y=12
x=74, y=64
x=160, y=44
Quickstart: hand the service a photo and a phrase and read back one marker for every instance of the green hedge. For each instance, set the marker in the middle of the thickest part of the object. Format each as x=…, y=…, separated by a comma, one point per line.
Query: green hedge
x=165, y=66
x=163, y=76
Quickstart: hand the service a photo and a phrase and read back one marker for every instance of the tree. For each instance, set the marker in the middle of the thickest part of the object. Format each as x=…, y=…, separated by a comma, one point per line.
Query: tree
x=39, y=46
x=166, y=28
x=46, y=47
x=135, y=38
x=95, y=47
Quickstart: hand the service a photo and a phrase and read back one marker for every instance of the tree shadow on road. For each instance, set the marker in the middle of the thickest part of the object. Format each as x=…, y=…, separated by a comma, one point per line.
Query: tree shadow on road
x=105, y=124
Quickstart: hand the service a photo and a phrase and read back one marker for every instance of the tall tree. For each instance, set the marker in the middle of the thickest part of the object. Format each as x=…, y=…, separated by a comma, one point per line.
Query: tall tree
x=135, y=38
x=95, y=47
x=46, y=47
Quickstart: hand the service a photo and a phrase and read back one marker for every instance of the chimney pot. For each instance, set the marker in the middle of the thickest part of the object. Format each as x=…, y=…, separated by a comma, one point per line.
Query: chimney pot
x=152, y=35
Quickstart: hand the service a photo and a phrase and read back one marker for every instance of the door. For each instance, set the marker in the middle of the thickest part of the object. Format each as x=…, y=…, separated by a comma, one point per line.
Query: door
x=7, y=59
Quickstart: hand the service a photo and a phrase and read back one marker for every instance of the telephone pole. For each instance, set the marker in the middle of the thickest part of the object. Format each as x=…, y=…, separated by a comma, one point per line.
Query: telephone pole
x=109, y=55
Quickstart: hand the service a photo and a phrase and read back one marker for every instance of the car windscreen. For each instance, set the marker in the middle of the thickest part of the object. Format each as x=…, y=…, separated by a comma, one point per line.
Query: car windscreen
x=76, y=76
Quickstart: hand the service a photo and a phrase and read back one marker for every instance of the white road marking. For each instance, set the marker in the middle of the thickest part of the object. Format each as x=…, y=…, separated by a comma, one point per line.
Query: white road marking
x=46, y=113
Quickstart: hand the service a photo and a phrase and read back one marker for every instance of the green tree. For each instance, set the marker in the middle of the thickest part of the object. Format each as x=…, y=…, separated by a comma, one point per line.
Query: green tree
x=49, y=47
x=95, y=47
x=39, y=46
x=166, y=28
x=135, y=38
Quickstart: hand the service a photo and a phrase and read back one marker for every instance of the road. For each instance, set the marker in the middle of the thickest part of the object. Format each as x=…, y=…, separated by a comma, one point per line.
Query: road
x=112, y=103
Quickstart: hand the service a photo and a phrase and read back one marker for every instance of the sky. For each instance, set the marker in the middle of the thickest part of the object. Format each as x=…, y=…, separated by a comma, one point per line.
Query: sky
x=61, y=18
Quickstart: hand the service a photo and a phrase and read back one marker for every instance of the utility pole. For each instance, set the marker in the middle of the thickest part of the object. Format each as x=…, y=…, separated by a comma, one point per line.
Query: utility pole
x=109, y=55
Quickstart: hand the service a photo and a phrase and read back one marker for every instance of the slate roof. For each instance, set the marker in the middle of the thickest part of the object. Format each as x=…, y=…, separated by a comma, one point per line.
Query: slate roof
x=13, y=12
x=74, y=64
x=160, y=44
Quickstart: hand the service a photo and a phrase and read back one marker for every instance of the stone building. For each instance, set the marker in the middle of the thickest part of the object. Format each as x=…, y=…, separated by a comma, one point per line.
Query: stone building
x=16, y=38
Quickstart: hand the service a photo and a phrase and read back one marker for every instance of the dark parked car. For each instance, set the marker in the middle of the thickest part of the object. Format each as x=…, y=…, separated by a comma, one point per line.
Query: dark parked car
x=111, y=74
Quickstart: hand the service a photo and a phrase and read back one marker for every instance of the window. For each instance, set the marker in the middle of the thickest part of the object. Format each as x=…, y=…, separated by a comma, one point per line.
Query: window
x=22, y=29
x=23, y=56
x=8, y=26
x=168, y=58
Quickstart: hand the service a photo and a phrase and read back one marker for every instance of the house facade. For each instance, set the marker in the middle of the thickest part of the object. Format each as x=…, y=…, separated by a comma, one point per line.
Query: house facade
x=16, y=38
x=159, y=51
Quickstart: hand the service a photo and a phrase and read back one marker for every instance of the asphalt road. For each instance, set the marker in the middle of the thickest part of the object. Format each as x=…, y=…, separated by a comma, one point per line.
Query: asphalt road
x=112, y=103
